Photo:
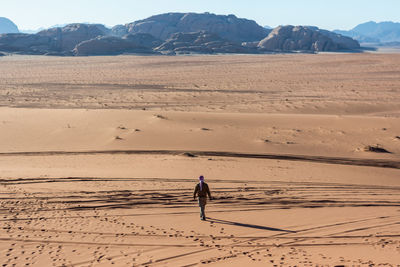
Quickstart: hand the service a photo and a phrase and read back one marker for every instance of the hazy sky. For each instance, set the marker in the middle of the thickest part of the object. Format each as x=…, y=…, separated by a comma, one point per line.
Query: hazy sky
x=337, y=14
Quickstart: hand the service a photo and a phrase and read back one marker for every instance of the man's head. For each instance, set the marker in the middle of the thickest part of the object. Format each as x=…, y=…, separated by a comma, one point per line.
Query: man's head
x=201, y=178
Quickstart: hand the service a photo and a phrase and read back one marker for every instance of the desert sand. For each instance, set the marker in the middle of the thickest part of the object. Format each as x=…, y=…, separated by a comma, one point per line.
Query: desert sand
x=99, y=157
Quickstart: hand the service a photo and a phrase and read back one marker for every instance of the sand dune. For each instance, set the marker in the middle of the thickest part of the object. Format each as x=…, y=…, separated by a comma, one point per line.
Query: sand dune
x=349, y=84
x=99, y=158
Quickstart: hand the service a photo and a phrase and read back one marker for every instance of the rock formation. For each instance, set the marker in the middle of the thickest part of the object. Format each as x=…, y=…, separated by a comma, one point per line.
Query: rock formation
x=305, y=39
x=228, y=27
x=54, y=41
x=109, y=45
x=7, y=26
x=344, y=42
x=25, y=43
x=199, y=42
x=66, y=38
x=143, y=39
x=176, y=33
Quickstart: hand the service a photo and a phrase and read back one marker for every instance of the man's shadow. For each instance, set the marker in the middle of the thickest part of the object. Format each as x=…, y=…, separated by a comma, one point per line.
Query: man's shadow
x=260, y=227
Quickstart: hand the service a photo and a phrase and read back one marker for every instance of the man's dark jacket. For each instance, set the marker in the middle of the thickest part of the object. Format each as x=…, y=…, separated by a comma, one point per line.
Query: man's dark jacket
x=203, y=192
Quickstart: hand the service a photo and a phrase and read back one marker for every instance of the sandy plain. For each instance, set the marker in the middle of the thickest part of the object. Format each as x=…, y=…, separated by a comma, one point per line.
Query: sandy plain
x=99, y=157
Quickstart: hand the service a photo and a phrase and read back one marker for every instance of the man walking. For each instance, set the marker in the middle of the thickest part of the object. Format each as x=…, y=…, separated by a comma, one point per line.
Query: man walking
x=201, y=191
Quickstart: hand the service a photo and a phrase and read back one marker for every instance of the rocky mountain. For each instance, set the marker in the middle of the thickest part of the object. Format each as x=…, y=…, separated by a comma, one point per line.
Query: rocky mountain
x=26, y=43
x=67, y=37
x=372, y=32
x=111, y=45
x=143, y=39
x=7, y=26
x=57, y=41
x=344, y=42
x=165, y=25
x=175, y=33
x=199, y=42
x=306, y=39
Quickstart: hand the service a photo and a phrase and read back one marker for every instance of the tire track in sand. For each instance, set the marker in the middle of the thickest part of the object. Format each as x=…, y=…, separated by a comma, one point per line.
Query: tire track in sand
x=289, y=157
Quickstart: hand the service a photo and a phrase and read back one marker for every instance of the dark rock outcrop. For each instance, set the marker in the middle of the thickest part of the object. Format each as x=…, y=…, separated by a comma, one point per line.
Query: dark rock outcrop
x=119, y=30
x=252, y=45
x=376, y=149
x=305, y=39
x=26, y=43
x=344, y=42
x=54, y=41
x=110, y=45
x=7, y=26
x=199, y=42
x=59, y=53
x=143, y=39
x=228, y=27
x=66, y=38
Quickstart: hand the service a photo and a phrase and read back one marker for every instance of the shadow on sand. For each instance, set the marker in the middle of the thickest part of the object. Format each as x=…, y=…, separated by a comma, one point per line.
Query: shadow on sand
x=260, y=227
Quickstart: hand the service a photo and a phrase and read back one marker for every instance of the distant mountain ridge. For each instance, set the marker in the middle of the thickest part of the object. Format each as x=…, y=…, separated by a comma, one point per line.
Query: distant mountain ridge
x=176, y=33
x=373, y=32
x=7, y=26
